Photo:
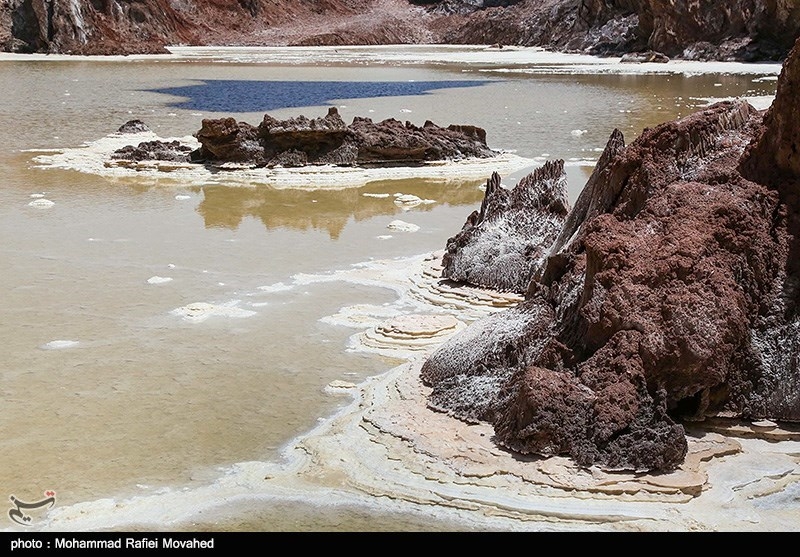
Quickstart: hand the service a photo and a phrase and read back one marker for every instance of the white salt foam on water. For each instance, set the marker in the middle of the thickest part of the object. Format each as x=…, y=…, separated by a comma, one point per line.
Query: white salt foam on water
x=59, y=344
x=402, y=226
x=41, y=203
x=277, y=287
x=407, y=200
x=158, y=280
x=198, y=312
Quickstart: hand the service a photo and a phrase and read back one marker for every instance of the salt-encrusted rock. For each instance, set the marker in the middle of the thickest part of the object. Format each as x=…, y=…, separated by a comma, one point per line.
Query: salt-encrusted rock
x=671, y=294
x=172, y=151
x=643, y=57
x=302, y=141
x=505, y=244
x=133, y=126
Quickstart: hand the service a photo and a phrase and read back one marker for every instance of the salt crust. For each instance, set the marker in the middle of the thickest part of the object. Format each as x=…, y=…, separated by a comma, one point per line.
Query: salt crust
x=510, y=59
x=198, y=312
x=59, y=344
x=402, y=226
x=387, y=450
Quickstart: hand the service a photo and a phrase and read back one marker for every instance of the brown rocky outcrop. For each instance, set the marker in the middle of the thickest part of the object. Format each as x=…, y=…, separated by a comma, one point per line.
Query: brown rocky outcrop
x=302, y=141
x=670, y=294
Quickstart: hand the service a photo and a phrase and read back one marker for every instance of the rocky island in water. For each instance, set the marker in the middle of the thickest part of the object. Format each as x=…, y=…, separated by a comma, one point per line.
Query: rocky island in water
x=300, y=142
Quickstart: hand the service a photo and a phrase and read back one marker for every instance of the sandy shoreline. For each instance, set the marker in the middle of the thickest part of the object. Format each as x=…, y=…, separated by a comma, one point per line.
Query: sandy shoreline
x=388, y=452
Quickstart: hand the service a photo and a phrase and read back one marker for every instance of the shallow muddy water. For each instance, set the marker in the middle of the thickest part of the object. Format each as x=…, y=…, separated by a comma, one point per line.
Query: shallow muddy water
x=108, y=390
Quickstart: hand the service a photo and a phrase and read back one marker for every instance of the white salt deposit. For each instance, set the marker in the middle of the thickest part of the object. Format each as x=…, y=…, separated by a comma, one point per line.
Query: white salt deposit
x=198, y=312
x=361, y=316
x=577, y=133
x=158, y=280
x=59, y=344
x=37, y=195
x=277, y=287
x=41, y=203
x=182, y=197
x=376, y=195
x=402, y=226
x=407, y=200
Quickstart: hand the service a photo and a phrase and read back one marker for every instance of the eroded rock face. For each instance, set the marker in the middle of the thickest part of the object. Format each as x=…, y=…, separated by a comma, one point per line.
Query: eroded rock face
x=93, y=26
x=704, y=30
x=503, y=245
x=671, y=293
x=302, y=141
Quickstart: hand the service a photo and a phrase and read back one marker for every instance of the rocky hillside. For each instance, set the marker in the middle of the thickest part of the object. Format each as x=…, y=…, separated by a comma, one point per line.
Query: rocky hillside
x=704, y=29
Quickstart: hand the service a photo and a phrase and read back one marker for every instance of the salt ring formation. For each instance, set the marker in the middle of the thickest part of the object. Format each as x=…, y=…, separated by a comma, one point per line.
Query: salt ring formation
x=630, y=363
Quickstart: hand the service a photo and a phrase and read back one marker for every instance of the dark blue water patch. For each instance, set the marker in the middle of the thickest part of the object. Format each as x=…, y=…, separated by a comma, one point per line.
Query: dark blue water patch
x=263, y=96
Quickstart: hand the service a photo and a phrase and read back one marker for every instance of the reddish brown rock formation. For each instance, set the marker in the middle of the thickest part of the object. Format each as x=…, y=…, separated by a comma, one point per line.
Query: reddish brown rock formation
x=671, y=293
x=302, y=141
